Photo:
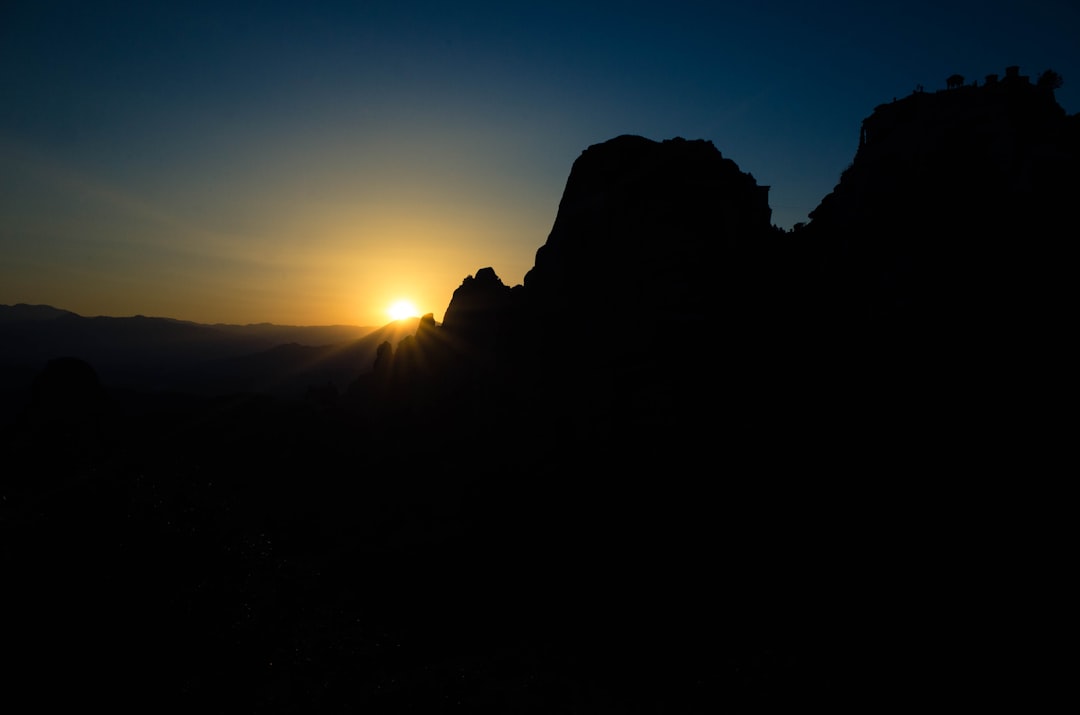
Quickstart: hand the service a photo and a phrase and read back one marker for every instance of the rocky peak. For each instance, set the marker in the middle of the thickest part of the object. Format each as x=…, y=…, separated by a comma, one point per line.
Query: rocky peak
x=646, y=230
x=977, y=142
x=952, y=206
x=478, y=308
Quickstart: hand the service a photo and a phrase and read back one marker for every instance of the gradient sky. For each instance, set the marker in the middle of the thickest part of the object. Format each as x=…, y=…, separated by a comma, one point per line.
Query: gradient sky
x=309, y=162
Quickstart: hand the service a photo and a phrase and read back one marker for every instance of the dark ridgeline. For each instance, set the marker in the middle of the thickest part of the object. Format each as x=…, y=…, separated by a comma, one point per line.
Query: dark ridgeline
x=694, y=462
x=944, y=268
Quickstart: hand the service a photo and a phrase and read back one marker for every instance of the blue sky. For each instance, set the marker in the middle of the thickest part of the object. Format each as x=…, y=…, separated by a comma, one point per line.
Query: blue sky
x=309, y=163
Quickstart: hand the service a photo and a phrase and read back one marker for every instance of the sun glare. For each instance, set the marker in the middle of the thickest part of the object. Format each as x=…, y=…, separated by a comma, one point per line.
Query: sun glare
x=402, y=309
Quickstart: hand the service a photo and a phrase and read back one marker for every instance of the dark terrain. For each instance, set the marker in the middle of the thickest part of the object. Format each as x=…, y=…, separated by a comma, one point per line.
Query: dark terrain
x=770, y=470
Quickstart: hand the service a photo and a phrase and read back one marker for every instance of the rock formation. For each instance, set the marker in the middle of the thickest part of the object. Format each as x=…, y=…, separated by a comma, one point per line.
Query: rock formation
x=953, y=208
x=940, y=259
x=647, y=232
x=480, y=311
x=664, y=302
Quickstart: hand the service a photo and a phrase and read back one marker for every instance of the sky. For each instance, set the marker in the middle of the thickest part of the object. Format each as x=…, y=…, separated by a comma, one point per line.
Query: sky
x=309, y=163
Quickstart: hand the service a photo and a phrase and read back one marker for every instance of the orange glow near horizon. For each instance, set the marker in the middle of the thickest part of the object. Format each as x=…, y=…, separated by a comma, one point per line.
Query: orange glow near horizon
x=401, y=309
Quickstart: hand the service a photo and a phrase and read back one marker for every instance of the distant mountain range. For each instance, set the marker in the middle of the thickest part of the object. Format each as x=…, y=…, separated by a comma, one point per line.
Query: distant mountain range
x=158, y=354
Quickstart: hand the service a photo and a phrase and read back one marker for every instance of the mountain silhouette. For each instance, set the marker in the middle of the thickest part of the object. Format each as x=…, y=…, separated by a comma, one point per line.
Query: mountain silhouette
x=934, y=268
x=818, y=387
x=952, y=207
x=693, y=462
x=23, y=311
x=147, y=355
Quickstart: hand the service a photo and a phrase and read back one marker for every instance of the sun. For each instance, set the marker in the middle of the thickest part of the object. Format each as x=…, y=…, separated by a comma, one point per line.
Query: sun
x=401, y=309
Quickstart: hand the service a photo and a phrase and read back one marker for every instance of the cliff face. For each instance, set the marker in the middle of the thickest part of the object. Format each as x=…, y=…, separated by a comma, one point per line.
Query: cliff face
x=954, y=207
x=647, y=231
